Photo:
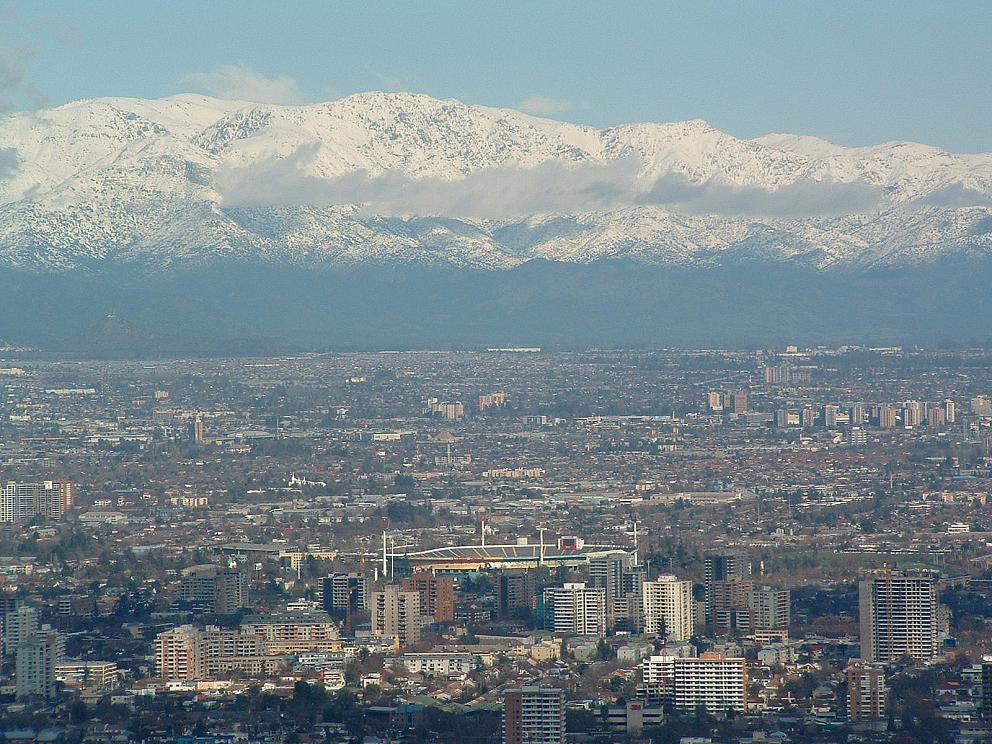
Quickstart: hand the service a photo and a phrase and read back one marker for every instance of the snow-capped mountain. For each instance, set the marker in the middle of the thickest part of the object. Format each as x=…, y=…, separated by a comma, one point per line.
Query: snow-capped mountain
x=397, y=178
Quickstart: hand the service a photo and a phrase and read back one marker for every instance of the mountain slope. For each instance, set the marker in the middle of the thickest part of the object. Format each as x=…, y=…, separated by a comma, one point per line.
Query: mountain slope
x=187, y=181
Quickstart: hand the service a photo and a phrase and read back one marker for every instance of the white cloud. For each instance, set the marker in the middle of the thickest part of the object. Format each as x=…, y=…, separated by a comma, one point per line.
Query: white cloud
x=240, y=83
x=511, y=191
x=542, y=106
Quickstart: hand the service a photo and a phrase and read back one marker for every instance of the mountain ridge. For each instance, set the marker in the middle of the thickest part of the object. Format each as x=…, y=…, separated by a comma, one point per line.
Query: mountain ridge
x=375, y=179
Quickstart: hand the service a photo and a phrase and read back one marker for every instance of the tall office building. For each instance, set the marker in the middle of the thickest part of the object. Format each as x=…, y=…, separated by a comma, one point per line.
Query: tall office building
x=437, y=595
x=396, y=614
x=222, y=591
x=516, y=593
x=667, y=606
x=22, y=502
x=19, y=625
x=714, y=682
x=344, y=593
x=575, y=609
x=866, y=692
x=898, y=616
x=714, y=401
x=534, y=715
x=37, y=657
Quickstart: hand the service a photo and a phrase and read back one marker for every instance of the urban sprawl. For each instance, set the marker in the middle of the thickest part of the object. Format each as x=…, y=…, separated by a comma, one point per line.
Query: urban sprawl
x=512, y=545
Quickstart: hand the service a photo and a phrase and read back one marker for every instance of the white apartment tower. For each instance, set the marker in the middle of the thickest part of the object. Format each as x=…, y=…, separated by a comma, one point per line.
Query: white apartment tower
x=711, y=681
x=37, y=657
x=22, y=502
x=668, y=607
x=575, y=609
x=18, y=626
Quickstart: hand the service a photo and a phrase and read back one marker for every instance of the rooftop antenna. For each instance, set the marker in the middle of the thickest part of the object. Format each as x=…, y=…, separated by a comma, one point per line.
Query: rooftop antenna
x=635, y=538
x=541, y=554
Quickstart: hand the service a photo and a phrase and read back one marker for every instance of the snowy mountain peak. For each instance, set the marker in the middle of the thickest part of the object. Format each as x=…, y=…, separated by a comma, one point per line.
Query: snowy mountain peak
x=404, y=177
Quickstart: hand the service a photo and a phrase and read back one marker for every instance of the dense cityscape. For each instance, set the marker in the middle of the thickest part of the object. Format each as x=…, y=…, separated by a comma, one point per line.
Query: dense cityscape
x=511, y=545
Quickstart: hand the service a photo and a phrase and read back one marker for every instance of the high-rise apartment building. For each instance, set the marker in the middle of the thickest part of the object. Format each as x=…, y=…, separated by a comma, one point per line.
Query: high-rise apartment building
x=739, y=402
x=345, y=593
x=935, y=415
x=667, y=607
x=194, y=430
x=437, y=595
x=981, y=405
x=985, y=705
x=727, y=576
x=769, y=608
x=887, y=417
x=534, y=715
x=658, y=674
x=575, y=609
x=19, y=625
x=190, y=653
x=866, y=692
x=714, y=682
x=830, y=416
x=396, y=614
x=898, y=616
x=614, y=574
x=912, y=414
x=448, y=411
x=727, y=565
x=294, y=632
x=37, y=657
x=22, y=502
x=222, y=591
x=492, y=400
x=516, y=593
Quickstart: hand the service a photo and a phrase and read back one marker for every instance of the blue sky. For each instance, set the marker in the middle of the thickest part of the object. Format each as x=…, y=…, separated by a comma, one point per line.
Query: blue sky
x=852, y=72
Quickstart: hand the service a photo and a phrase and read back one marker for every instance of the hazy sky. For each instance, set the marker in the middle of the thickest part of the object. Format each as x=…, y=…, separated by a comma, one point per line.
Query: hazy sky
x=853, y=72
